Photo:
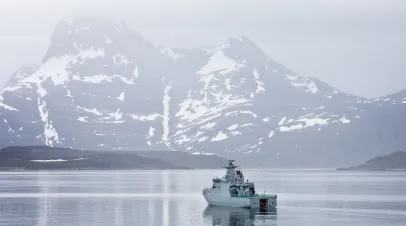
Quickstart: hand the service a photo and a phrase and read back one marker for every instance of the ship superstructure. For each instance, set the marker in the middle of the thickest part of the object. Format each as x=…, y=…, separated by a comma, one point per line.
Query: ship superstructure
x=233, y=190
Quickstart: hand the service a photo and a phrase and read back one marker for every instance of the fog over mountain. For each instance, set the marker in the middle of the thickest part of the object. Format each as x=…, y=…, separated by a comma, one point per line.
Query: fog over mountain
x=102, y=86
x=357, y=47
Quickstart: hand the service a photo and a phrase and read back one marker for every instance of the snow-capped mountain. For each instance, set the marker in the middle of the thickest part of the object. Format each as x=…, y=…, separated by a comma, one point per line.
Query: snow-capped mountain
x=102, y=86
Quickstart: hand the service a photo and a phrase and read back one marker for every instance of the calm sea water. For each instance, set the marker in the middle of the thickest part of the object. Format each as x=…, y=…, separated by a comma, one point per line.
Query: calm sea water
x=305, y=197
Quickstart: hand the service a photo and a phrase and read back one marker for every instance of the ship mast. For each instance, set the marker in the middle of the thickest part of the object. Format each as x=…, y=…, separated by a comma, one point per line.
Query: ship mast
x=230, y=164
x=230, y=170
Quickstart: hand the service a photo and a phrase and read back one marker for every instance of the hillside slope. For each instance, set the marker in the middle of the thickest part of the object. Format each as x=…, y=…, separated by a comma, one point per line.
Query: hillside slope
x=392, y=161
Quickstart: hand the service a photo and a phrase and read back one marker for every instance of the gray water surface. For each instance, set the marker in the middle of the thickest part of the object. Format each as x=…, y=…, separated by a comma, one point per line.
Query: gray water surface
x=305, y=197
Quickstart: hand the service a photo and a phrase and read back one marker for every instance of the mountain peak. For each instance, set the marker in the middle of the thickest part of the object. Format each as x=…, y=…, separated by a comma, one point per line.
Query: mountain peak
x=238, y=45
x=77, y=21
x=96, y=32
x=239, y=38
x=76, y=25
x=242, y=47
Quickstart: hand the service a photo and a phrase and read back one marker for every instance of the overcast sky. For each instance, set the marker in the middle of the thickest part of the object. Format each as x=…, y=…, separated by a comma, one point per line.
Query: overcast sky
x=357, y=46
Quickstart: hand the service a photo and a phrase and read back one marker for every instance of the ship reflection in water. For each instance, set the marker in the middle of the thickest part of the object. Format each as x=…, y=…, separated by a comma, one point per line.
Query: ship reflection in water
x=239, y=216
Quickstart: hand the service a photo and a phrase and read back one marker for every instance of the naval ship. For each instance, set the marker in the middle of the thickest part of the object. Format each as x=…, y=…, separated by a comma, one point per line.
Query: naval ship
x=232, y=191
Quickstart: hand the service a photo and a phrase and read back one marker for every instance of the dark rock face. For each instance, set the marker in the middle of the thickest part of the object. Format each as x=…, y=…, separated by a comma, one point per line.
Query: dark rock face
x=102, y=86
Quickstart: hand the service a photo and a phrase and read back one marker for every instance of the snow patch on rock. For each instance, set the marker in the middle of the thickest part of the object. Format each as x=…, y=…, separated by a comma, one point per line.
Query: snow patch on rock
x=220, y=136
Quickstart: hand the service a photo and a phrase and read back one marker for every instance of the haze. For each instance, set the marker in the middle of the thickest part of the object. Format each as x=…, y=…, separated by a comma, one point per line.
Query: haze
x=356, y=46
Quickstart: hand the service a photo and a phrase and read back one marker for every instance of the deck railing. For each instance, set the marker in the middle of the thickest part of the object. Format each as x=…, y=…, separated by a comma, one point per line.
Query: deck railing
x=255, y=196
x=267, y=195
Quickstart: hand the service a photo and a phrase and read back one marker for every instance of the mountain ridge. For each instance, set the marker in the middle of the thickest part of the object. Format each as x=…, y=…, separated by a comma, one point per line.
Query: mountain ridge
x=393, y=161
x=103, y=86
x=51, y=158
